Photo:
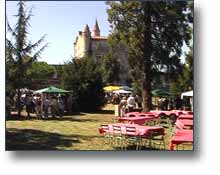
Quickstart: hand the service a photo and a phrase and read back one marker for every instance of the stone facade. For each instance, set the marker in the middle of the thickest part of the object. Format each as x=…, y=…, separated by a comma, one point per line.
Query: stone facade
x=90, y=44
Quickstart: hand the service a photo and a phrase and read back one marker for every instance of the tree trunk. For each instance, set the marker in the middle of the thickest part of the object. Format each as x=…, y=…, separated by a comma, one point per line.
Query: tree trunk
x=19, y=84
x=146, y=82
x=19, y=103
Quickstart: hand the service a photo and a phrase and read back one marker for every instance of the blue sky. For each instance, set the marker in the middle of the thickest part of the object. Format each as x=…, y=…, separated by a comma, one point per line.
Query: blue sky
x=61, y=21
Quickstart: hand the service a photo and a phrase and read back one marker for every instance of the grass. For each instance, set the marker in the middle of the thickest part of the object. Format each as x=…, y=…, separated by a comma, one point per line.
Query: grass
x=77, y=132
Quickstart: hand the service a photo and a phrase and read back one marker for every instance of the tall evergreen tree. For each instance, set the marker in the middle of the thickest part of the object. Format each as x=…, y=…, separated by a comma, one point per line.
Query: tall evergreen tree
x=20, y=52
x=155, y=32
x=83, y=78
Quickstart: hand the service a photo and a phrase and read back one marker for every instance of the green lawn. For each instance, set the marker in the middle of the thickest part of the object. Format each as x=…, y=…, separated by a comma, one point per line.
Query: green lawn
x=77, y=132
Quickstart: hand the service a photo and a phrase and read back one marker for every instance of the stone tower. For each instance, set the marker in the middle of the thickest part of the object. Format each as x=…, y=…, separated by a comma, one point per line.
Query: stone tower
x=90, y=44
x=96, y=30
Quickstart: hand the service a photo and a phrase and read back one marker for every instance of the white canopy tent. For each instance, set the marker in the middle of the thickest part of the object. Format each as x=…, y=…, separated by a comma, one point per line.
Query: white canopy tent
x=187, y=94
x=121, y=91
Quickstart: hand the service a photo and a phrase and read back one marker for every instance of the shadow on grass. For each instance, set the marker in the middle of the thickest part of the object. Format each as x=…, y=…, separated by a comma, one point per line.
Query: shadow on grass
x=72, y=118
x=76, y=113
x=104, y=112
x=22, y=117
x=31, y=139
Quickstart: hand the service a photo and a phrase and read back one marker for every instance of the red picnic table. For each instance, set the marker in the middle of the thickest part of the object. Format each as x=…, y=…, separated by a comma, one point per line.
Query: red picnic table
x=183, y=112
x=131, y=114
x=139, y=130
x=186, y=116
x=142, y=114
x=181, y=136
x=168, y=113
x=137, y=119
x=183, y=123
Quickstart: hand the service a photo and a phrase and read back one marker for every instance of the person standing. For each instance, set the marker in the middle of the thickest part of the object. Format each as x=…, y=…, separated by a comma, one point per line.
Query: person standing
x=160, y=103
x=171, y=104
x=122, y=106
x=46, y=104
x=116, y=101
x=131, y=103
x=28, y=104
x=8, y=105
x=70, y=104
x=54, y=107
x=38, y=108
x=60, y=106
x=178, y=103
x=33, y=104
x=139, y=101
x=165, y=104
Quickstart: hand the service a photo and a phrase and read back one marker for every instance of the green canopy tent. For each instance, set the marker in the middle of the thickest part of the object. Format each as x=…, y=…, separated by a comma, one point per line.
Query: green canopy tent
x=161, y=93
x=51, y=89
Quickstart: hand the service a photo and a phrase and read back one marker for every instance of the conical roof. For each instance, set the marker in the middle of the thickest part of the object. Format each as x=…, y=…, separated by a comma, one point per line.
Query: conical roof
x=87, y=30
x=96, y=30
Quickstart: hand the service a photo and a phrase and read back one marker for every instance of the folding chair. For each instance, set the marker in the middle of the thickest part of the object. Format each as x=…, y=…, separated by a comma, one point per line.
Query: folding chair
x=165, y=122
x=131, y=137
x=151, y=122
x=107, y=135
x=157, y=140
x=118, y=138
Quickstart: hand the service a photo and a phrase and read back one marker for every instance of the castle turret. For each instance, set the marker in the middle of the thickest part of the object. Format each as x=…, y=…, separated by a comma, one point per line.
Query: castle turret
x=87, y=30
x=96, y=30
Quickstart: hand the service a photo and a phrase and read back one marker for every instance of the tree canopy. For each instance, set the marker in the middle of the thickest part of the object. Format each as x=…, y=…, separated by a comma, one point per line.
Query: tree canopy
x=184, y=78
x=154, y=33
x=39, y=73
x=83, y=77
x=20, y=52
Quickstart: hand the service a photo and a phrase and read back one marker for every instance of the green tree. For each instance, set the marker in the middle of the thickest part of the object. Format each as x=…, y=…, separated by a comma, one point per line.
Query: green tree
x=110, y=69
x=21, y=53
x=115, y=63
x=39, y=73
x=155, y=32
x=184, y=79
x=84, y=78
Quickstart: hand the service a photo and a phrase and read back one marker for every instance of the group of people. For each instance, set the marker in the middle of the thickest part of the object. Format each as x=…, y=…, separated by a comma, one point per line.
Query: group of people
x=164, y=104
x=169, y=104
x=44, y=105
x=124, y=104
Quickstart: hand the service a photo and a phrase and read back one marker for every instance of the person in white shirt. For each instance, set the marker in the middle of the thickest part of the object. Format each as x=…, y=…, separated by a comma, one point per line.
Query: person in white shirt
x=131, y=103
